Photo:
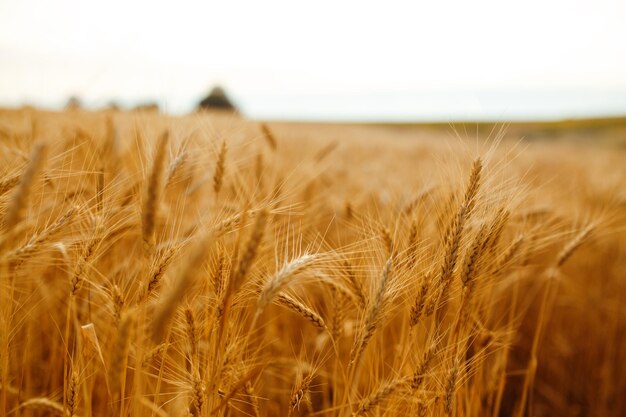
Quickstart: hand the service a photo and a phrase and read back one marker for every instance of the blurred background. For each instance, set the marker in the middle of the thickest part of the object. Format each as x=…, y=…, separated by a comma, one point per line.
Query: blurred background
x=324, y=60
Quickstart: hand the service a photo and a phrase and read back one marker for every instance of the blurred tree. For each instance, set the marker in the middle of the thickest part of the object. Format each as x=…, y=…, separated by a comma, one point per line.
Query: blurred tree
x=73, y=103
x=113, y=106
x=149, y=106
x=216, y=100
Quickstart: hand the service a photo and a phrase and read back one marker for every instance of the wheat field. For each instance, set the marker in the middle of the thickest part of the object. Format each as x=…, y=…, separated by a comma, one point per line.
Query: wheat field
x=209, y=265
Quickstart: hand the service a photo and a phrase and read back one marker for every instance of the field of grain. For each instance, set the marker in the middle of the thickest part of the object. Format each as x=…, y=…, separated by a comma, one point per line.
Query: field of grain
x=208, y=265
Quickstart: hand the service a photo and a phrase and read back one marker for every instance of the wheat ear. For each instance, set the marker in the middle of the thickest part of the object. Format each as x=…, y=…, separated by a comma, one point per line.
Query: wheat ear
x=299, y=308
x=573, y=245
x=220, y=169
x=269, y=137
x=153, y=194
x=373, y=316
x=15, y=211
x=281, y=278
x=45, y=404
x=171, y=300
x=380, y=395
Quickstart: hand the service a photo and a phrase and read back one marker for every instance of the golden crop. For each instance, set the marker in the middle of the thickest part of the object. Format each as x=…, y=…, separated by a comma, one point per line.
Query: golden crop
x=208, y=265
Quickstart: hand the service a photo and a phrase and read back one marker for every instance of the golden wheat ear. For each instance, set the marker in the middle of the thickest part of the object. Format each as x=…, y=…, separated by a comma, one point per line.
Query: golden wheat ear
x=573, y=245
x=454, y=234
x=373, y=317
x=220, y=169
x=184, y=284
x=383, y=393
x=119, y=359
x=198, y=394
x=451, y=387
x=420, y=301
x=269, y=137
x=281, y=279
x=421, y=371
x=42, y=404
x=301, y=309
x=17, y=206
x=153, y=194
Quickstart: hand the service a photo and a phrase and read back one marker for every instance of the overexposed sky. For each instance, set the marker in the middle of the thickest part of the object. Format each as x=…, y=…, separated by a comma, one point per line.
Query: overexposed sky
x=174, y=51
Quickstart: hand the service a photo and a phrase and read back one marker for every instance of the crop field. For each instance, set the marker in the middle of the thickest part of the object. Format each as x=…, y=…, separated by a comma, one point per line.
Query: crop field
x=210, y=265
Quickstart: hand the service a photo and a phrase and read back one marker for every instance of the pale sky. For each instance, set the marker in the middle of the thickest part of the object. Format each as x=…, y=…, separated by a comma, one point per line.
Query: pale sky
x=273, y=56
